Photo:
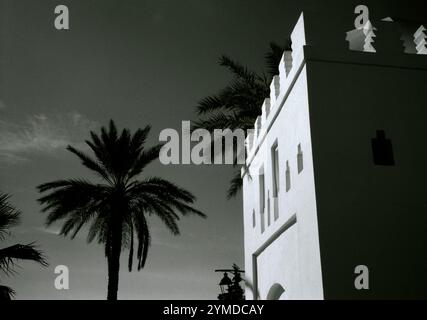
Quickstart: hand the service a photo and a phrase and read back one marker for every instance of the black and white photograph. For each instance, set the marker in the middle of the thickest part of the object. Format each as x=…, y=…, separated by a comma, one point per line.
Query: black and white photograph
x=209, y=151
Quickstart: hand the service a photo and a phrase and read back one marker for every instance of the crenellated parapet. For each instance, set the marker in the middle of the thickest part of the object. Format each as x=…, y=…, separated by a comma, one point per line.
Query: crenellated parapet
x=388, y=35
x=279, y=85
x=385, y=37
x=362, y=39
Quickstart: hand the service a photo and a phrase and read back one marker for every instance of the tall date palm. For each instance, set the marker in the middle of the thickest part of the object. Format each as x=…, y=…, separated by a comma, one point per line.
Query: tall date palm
x=117, y=207
x=238, y=104
x=10, y=217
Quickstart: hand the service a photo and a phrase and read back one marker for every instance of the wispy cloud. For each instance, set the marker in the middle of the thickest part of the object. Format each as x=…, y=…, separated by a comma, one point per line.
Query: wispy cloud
x=49, y=230
x=42, y=134
x=2, y=105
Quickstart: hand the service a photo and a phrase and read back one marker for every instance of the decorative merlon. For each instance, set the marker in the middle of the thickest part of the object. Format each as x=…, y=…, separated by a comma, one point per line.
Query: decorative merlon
x=420, y=39
x=257, y=127
x=274, y=90
x=266, y=110
x=298, y=38
x=420, y=32
x=362, y=39
x=369, y=31
x=249, y=141
x=280, y=83
x=285, y=65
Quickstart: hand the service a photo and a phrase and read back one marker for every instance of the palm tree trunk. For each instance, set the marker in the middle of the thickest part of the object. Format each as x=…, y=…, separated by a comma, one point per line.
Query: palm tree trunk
x=114, y=261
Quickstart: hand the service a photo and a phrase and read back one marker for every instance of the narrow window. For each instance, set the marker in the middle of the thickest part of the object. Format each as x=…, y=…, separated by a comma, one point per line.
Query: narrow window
x=382, y=150
x=262, y=221
x=262, y=199
x=275, y=169
x=253, y=219
x=261, y=192
x=300, y=159
x=288, y=177
x=268, y=209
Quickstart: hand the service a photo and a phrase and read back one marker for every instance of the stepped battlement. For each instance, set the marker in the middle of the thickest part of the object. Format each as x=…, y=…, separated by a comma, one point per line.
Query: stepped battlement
x=383, y=40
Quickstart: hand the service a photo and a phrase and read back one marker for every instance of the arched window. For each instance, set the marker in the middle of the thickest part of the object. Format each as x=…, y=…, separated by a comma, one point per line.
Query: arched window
x=275, y=292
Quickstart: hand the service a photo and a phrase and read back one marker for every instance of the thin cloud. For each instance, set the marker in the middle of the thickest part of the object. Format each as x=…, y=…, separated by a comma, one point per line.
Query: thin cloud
x=56, y=231
x=42, y=134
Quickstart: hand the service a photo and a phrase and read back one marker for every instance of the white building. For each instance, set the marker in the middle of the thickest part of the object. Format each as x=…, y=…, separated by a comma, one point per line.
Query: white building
x=335, y=173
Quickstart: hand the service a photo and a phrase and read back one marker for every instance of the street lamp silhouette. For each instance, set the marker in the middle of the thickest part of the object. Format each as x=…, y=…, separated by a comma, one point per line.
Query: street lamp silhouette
x=230, y=288
x=225, y=283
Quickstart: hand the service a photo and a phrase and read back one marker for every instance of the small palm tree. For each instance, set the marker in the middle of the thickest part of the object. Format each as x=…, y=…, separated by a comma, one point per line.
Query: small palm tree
x=9, y=217
x=238, y=105
x=117, y=208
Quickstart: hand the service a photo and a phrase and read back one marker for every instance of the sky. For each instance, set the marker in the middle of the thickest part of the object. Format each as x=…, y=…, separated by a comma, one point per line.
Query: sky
x=137, y=62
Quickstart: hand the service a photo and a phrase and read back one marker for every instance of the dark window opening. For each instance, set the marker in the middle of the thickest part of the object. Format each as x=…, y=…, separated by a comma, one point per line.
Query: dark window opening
x=275, y=169
x=382, y=150
x=262, y=199
x=253, y=219
x=288, y=177
x=300, y=159
x=268, y=210
x=261, y=192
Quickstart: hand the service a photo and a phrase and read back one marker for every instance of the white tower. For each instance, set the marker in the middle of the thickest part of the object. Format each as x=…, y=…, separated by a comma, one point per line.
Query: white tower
x=335, y=175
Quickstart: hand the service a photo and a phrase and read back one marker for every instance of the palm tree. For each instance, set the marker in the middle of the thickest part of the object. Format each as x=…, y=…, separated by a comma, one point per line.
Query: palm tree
x=238, y=105
x=9, y=217
x=117, y=207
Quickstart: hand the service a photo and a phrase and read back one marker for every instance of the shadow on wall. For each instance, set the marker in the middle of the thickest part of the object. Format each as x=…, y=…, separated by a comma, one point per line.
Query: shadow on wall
x=276, y=292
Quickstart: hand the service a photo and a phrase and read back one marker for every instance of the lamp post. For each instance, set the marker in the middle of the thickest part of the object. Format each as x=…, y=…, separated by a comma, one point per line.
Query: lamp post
x=230, y=288
x=225, y=283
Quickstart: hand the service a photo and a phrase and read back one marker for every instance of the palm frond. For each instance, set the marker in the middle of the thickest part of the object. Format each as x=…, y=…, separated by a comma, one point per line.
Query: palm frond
x=90, y=163
x=131, y=247
x=220, y=120
x=138, y=140
x=144, y=241
x=209, y=104
x=154, y=205
x=10, y=255
x=9, y=215
x=237, y=69
x=144, y=158
x=235, y=185
x=169, y=193
x=72, y=197
x=6, y=293
x=99, y=229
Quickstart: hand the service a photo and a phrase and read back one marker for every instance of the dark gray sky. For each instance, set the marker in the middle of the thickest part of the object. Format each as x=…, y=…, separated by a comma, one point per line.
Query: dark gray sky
x=137, y=62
